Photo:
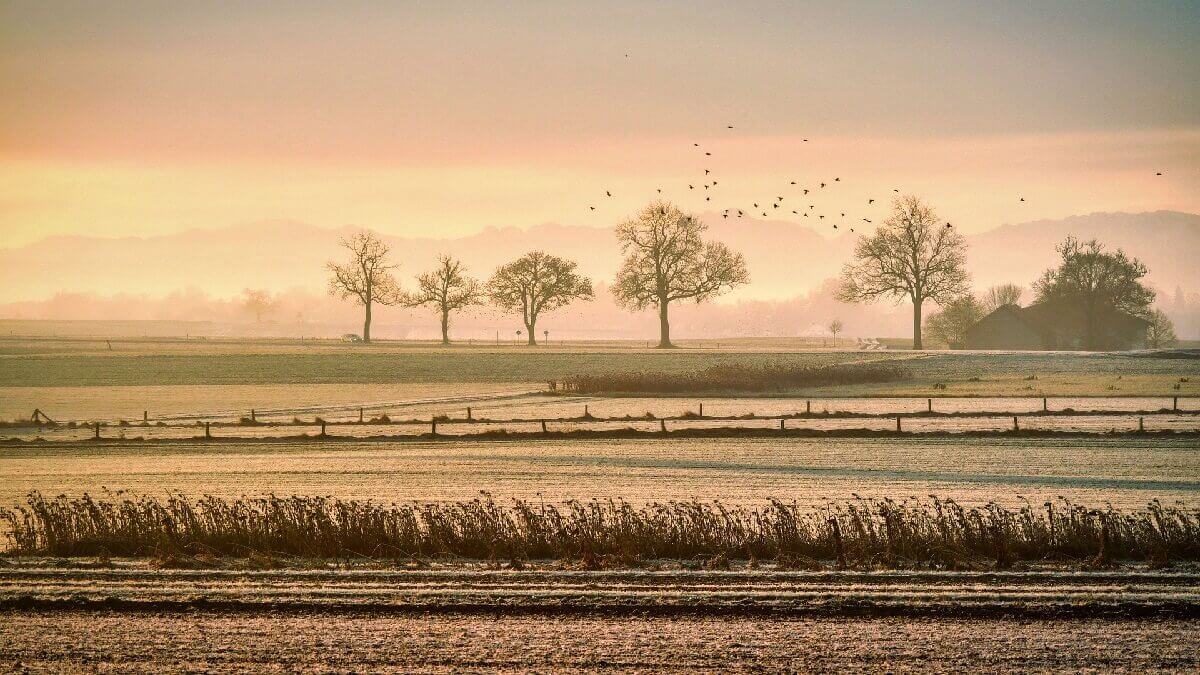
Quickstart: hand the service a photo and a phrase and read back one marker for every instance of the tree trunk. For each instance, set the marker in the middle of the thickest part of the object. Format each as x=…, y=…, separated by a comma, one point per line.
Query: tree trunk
x=445, y=327
x=664, y=326
x=532, y=339
x=917, y=323
x=366, y=336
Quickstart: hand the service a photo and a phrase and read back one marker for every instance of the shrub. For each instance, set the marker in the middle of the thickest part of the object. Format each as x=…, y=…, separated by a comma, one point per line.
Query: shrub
x=730, y=377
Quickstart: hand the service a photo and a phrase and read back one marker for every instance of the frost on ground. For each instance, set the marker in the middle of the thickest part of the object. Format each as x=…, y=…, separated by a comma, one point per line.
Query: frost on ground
x=104, y=641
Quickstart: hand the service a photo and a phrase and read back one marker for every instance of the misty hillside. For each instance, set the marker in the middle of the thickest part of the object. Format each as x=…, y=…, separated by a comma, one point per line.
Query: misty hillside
x=785, y=259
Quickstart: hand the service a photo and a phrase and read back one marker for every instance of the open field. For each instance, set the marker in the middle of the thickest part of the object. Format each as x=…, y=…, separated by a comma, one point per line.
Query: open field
x=147, y=363
x=86, y=640
x=1125, y=471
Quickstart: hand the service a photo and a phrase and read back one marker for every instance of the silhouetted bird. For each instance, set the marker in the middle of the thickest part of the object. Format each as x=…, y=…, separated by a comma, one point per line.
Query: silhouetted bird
x=806, y=140
x=805, y=190
x=706, y=172
x=606, y=192
x=822, y=185
x=714, y=182
x=949, y=225
x=756, y=205
x=1158, y=174
x=707, y=198
x=866, y=220
x=592, y=208
x=870, y=201
x=708, y=153
x=779, y=198
x=821, y=217
x=1022, y=199
x=691, y=187
x=793, y=182
x=660, y=191
x=835, y=227
x=724, y=215
x=837, y=180
x=776, y=205
x=729, y=127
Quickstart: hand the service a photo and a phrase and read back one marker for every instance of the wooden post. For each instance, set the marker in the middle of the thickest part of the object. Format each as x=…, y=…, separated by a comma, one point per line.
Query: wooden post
x=1175, y=404
x=360, y=415
x=207, y=433
x=585, y=411
x=1016, y=427
x=897, y=423
x=1045, y=405
x=544, y=426
x=782, y=424
x=702, y=409
x=253, y=415
x=808, y=407
x=322, y=428
x=97, y=431
x=662, y=425
x=145, y=416
x=433, y=427
x=1141, y=424
x=468, y=412
x=930, y=402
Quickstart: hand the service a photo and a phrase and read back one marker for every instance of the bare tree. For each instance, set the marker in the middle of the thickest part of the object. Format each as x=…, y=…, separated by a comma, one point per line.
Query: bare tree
x=666, y=260
x=910, y=256
x=1098, y=281
x=534, y=283
x=366, y=277
x=999, y=296
x=1161, y=332
x=258, y=302
x=951, y=323
x=835, y=327
x=447, y=288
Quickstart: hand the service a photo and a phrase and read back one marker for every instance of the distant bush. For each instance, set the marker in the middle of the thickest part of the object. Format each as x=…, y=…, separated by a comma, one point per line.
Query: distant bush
x=736, y=377
x=862, y=533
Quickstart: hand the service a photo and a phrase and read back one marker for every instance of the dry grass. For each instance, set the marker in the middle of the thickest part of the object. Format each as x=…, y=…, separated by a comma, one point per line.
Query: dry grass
x=738, y=378
x=863, y=533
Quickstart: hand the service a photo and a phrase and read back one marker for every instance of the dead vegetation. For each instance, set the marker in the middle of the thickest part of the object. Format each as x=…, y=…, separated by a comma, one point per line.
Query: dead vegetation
x=737, y=378
x=864, y=534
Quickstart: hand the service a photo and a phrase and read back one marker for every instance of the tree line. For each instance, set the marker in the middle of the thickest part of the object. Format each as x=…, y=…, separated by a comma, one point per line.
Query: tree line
x=911, y=256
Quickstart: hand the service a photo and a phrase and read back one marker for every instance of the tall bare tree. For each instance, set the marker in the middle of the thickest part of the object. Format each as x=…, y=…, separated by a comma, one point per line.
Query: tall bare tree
x=912, y=255
x=447, y=288
x=1098, y=281
x=667, y=260
x=534, y=283
x=366, y=276
x=999, y=296
x=258, y=302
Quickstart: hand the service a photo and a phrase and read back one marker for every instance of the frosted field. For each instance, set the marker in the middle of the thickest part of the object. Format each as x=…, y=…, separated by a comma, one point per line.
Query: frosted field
x=1126, y=472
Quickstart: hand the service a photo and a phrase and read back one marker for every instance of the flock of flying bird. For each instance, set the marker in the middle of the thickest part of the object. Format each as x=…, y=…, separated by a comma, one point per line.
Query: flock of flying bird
x=779, y=199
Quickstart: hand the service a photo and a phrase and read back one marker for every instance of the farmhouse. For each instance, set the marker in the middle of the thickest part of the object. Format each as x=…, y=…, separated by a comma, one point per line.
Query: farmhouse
x=1055, y=325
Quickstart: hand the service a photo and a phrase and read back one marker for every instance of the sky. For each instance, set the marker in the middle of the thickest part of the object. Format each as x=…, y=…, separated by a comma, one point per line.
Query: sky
x=443, y=118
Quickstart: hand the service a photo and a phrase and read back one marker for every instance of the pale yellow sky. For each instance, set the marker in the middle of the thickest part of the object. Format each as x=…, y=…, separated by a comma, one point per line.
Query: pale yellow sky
x=149, y=118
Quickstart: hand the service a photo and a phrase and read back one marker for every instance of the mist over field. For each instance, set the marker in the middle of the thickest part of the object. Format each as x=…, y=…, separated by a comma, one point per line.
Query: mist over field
x=200, y=275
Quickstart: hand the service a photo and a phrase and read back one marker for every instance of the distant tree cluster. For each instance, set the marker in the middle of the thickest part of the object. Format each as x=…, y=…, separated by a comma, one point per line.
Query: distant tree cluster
x=666, y=260
x=911, y=256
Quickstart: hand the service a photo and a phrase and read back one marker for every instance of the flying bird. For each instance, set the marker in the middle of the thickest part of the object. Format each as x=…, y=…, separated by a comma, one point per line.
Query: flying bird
x=805, y=190
x=1158, y=174
x=691, y=187
x=776, y=205
x=822, y=185
x=793, y=182
x=837, y=180
x=729, y=126
x=592, y=208
x=870, y=201
x=1022, y=199
x=866, y=220
x=708, y=153
x=607, y=193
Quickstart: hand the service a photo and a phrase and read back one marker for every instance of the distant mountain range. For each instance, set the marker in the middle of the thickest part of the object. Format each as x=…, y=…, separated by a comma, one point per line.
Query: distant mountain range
x=785, y=259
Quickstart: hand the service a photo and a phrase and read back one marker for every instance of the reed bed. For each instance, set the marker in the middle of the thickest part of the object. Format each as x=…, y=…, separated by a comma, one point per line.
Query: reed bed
x=737, y=378
x=935, y=533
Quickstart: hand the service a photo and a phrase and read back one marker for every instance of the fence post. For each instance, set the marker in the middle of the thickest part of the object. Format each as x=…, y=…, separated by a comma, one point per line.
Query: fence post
x=782, y=424
x=468, y=412
x=433, y=427
x=1016, y=427
x=207, y=433
x=544, y=427
x=360, y=415
x=585, y=411
x=808, y=407
x=897, y=423
x=662, y=425
x=145, y=416
x=1175, y=404
x=97, y=431
x=1045, y=406
x=702, y=409
x=253, y=415
x=1141, y=424
x=930, y=402
x=322, y=429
